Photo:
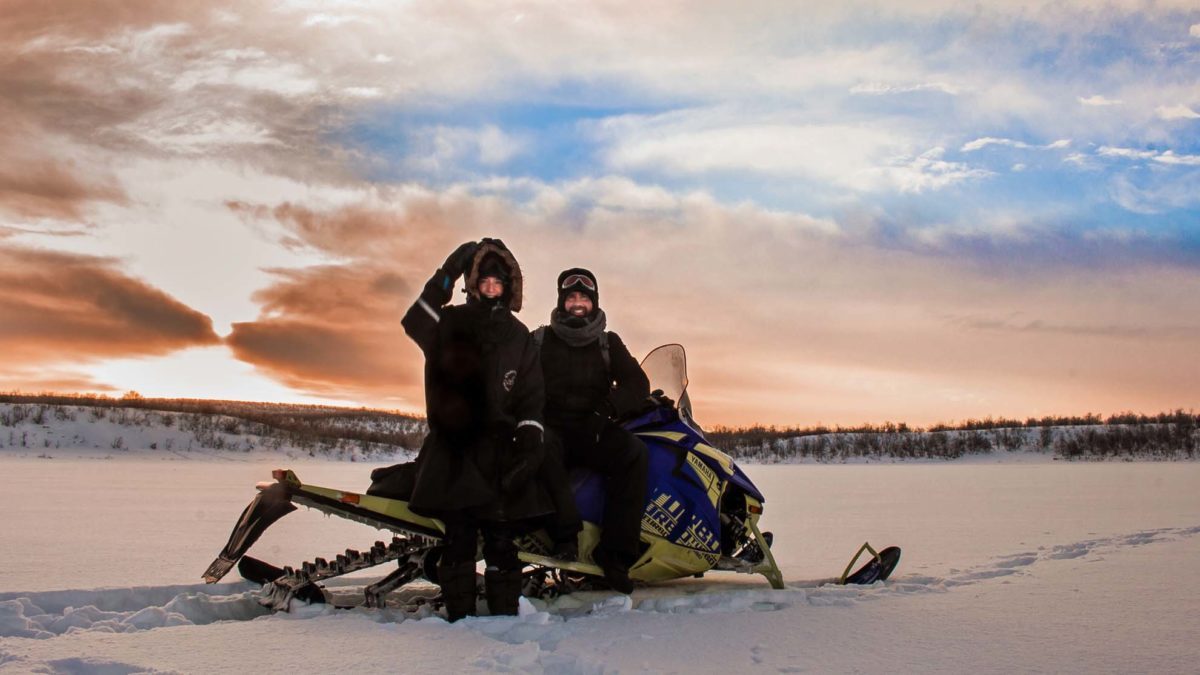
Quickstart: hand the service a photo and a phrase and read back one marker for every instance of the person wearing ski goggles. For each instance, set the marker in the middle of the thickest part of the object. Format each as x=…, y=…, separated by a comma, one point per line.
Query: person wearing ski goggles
x=591, y=380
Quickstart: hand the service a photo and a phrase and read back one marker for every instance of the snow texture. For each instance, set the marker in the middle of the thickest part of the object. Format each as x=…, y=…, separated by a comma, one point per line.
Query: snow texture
x=1007, y=568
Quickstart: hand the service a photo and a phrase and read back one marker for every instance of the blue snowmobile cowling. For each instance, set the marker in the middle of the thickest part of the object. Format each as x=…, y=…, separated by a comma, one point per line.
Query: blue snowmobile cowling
x=689, y=482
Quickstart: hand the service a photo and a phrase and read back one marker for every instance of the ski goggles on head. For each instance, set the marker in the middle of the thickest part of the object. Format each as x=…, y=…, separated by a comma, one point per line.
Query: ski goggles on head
x=579, y=280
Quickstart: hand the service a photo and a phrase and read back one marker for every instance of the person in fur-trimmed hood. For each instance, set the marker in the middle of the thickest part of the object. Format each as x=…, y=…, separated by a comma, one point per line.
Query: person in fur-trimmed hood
x=592, y=380
x=484, y=397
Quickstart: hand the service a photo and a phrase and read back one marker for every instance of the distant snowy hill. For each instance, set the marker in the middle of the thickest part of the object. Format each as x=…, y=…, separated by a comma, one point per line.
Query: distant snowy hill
x=52, y=429
x=1157, y=441
x=356, y=435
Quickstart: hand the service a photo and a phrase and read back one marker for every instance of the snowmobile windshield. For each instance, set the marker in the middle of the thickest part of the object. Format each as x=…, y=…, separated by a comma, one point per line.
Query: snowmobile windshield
x=666, y=368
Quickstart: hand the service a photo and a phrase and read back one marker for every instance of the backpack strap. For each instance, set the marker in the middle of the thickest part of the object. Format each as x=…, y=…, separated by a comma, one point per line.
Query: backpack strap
x=539, y=336
x=604, y=353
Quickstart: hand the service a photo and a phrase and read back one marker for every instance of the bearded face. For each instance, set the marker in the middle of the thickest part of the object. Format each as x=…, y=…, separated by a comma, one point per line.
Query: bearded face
x=578, y=304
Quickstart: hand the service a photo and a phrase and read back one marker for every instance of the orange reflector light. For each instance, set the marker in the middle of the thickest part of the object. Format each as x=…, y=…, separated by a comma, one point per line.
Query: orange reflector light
x=754, y=508
x=278, y=474
x=348, y=498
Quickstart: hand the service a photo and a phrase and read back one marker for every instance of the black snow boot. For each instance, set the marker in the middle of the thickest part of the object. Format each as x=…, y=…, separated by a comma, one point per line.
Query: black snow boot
x=458, y=589
x=503, y=591
x=616, y=570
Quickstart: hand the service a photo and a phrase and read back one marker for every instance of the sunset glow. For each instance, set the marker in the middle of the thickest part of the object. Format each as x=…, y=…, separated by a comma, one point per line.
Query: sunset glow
x=910, y=211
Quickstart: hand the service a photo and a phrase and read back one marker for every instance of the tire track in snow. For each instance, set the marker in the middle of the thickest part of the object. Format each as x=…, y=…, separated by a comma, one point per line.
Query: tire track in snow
x=1015, y=564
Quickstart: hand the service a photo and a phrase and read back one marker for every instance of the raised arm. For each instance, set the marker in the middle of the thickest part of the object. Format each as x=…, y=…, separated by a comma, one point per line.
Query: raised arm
x=421, y=320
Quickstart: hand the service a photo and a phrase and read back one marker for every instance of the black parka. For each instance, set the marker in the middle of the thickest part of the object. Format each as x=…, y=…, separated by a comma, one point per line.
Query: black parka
x=482, y=379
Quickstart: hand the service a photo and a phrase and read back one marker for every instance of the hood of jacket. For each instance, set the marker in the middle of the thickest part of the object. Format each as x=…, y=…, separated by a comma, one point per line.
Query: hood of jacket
x=514, y=291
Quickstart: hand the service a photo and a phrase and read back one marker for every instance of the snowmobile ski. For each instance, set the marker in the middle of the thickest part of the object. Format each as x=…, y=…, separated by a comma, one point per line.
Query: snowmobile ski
x=258, y=571
x=269, y=505
x=878, y=568
x=569, y=565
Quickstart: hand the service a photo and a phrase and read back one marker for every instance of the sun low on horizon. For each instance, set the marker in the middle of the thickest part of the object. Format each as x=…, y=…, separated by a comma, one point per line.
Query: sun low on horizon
x=907, y=211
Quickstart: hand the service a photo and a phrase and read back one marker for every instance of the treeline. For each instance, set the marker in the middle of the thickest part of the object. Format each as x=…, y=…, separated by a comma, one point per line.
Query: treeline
x=1162, y=436
x=303, y=426
x=239, y=425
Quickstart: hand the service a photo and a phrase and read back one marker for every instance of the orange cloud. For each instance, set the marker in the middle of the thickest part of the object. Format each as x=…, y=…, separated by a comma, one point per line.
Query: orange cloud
x=398, y=235
x=48, y=189
x=57, y=99
x=335, y=330
x=41, y=379
x=786, y=319
x=62, y=307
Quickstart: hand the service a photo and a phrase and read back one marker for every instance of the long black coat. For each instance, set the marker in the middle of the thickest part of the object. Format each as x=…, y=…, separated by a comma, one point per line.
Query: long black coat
x=482, y=378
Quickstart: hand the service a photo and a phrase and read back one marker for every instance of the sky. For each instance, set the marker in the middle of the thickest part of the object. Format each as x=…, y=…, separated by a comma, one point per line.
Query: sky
x=921, y=211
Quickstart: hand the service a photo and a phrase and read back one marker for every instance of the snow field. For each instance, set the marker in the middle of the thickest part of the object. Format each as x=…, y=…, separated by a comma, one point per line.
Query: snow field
x=1026, y=610
x=1006, y=568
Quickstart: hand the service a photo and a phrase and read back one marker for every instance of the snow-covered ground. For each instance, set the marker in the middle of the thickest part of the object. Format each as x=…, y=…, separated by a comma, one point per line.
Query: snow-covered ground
x=1019, y=567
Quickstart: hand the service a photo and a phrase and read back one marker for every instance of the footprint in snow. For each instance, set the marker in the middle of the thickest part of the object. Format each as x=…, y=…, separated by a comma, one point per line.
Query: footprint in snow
x=1018, y=560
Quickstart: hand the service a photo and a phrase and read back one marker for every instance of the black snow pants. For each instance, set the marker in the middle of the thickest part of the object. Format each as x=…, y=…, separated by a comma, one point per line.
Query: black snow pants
x=462, y=538
x=620, y=457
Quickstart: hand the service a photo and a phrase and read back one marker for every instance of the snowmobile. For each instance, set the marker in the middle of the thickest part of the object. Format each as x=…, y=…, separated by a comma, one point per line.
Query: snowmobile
x=701, y=514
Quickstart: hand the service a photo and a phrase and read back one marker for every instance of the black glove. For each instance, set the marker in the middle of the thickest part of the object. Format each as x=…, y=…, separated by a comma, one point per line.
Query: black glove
x=523, y=459
x=458, y=262
x=657, y=399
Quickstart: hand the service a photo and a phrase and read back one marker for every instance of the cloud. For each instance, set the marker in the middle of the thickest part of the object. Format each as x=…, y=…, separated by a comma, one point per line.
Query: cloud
x=144, y=79
x=335, y=331
x=1194, y=31
x=1122, y=331
x=1098, y=100
x=832, y=287
x=332, y=20
x=1126, y=153
x=929, y=171
x=716, y=142
x=45, y=188
x=396, y=228
x=443, y=149
x=763, y=199
x=61, y=307
x=42, y=379
x=881, y=88
x=45, y=229
x=1165, y=157
x=1157, y=194
x=1169, y=157
x=1176, y=112
x=980, y=143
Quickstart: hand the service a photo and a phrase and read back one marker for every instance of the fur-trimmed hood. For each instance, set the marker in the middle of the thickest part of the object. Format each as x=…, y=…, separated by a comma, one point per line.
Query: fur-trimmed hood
x=515, y=282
